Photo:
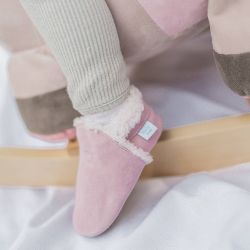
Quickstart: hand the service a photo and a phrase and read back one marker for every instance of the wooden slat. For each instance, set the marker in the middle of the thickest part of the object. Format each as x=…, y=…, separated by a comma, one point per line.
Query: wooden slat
x=203, y=147
x=38, y=167
x=198, y=147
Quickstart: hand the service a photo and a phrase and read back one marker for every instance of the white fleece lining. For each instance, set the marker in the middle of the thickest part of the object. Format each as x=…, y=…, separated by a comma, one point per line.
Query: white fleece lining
x=128, y=116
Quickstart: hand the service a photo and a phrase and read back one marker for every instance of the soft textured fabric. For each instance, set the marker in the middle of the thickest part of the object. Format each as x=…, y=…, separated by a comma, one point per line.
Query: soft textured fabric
x=182, y=91
x=160, y=213
x=84, y=39
x=39, y=87
x=34, y=75
x=140, y=37
x=137, y=45
x=235, y=69
x=17, y=32
x=197, y=212
x=35, y=72
x=49, y=113
x=108, y=172
x=176, y=16
x=229, y=22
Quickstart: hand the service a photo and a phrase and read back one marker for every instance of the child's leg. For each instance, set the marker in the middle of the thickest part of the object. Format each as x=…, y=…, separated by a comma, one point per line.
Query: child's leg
x=229, y=22
x=37, y=81
x=84, y=40
x=146, y=28
x=40, y=91
x=118, y=130
x=177, y=17
x=140, y=37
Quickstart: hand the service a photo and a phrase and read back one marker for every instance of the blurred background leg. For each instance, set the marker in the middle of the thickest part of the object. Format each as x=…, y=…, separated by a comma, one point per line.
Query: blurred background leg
x=38, y=84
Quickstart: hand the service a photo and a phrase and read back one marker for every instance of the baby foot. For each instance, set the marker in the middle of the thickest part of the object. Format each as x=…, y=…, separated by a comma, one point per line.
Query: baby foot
x=112, y=157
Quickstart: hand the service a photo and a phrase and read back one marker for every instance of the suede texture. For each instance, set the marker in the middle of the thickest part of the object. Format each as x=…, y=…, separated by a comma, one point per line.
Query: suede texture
x=104, y=182
x=140, y=37
x=17, y=32
x=229, y=25
x=175, y=17
x=35, y=72
x=235, y=71
x=107, y=174
x=49, y=113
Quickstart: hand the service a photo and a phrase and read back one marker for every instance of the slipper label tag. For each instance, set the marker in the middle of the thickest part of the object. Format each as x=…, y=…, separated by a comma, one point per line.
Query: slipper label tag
x=148, y=130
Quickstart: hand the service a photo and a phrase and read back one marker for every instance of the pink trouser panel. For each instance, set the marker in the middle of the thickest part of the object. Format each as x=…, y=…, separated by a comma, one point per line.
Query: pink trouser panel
x=176, y=16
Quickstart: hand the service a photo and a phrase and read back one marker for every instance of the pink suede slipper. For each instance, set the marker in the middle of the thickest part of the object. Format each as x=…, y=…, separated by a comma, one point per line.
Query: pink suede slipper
x=112, y=158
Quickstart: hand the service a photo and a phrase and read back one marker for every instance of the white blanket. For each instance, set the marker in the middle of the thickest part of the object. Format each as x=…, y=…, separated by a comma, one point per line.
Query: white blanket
x=197, y=212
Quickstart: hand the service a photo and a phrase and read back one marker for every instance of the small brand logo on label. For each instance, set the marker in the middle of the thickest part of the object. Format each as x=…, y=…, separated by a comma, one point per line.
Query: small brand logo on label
x=147, y=130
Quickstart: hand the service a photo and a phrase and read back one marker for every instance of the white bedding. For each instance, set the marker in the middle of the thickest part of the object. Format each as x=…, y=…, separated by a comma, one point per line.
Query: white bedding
x=197, y=212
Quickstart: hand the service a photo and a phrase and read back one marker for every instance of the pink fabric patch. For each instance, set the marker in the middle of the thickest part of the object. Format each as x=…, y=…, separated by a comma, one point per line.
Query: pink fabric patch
x=175, y=16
